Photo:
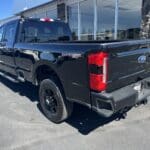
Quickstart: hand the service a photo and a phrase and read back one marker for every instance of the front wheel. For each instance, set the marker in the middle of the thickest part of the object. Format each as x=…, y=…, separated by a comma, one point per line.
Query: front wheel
x=52, y=100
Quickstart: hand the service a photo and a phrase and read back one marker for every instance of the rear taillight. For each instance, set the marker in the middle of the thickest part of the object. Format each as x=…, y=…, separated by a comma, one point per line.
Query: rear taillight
x=98, y=64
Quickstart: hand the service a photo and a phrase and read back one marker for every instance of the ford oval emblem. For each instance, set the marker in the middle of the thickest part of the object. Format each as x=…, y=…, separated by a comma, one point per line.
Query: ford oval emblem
x=142, y=59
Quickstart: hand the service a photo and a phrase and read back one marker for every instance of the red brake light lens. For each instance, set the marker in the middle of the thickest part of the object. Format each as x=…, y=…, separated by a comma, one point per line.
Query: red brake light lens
x=98, y=81
x=97, y=59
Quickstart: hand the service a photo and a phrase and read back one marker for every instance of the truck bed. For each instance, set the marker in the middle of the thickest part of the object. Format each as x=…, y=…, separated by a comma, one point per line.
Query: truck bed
x=124, y=61
x=128, y=65
x=124, y=66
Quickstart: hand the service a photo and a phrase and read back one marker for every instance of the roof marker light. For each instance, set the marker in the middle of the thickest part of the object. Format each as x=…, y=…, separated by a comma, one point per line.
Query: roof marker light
x=47, y=20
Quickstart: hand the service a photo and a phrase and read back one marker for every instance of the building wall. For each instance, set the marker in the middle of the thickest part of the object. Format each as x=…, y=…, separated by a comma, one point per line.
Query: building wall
x=99, y=19
x=49, y=10
x=96, y=19
x=105, y=20
x=20, y=5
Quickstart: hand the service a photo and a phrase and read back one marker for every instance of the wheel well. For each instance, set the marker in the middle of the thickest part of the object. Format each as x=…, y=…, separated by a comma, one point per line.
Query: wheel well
x=44, y=72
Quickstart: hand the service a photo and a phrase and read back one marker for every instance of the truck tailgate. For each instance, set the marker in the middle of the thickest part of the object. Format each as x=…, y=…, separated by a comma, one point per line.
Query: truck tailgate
x=128, y=62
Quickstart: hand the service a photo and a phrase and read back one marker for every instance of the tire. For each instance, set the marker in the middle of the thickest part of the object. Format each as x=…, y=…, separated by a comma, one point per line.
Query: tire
x=52, y=100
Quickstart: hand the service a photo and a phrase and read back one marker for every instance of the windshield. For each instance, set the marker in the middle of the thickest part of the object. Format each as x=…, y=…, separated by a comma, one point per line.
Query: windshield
x=43, y=32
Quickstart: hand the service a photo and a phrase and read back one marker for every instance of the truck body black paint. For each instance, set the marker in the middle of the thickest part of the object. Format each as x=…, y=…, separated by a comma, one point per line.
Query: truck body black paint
x=128, y=65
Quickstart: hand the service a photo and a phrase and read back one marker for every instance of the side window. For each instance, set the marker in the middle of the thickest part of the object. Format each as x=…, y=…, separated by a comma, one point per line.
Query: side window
x=1, y=33
x=10, y=33
x=29, y=33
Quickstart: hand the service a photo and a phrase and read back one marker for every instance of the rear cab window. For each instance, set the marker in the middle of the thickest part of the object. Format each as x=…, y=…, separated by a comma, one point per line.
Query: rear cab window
x=34, y=31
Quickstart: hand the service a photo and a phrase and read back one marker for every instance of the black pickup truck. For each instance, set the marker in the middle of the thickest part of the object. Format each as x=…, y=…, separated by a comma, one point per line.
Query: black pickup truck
x=106, y=76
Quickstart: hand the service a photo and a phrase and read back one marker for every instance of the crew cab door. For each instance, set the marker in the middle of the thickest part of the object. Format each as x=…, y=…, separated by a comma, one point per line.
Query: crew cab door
x=7, y=48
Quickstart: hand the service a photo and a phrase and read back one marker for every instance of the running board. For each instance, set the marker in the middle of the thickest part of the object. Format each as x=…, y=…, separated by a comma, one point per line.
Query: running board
x=8, y=77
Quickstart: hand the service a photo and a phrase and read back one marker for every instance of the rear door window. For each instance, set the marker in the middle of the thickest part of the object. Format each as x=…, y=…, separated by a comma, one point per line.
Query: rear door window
x=10, y=33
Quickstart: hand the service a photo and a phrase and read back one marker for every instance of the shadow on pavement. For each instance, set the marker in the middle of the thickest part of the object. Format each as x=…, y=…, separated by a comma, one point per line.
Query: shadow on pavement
x=86, y=120
x=83, y=119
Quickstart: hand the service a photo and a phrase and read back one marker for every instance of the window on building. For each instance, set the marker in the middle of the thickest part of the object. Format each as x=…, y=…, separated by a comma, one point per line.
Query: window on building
x=73, y=20
x=105, y=19
x=87, y=20
x=129, y=21
x=61, y=11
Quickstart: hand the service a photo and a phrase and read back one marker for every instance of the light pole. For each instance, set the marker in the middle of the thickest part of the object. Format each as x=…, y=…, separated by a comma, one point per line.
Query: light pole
x=116, y=19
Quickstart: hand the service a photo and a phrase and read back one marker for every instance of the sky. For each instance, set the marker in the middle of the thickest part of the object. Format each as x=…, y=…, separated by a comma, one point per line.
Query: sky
x=6, y=8
x=9, y=7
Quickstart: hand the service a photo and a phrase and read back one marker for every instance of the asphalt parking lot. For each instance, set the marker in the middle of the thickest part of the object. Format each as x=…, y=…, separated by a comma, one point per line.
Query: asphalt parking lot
x=23, y=127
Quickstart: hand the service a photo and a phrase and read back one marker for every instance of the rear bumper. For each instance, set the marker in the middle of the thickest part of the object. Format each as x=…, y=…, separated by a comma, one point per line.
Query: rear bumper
x=107, y=104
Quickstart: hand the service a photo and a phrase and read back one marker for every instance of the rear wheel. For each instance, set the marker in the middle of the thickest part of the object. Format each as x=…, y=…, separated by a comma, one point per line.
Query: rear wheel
x=52, y=100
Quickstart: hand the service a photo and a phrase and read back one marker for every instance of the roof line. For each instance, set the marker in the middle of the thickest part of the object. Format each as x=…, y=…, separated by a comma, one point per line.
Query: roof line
x=35, y=7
